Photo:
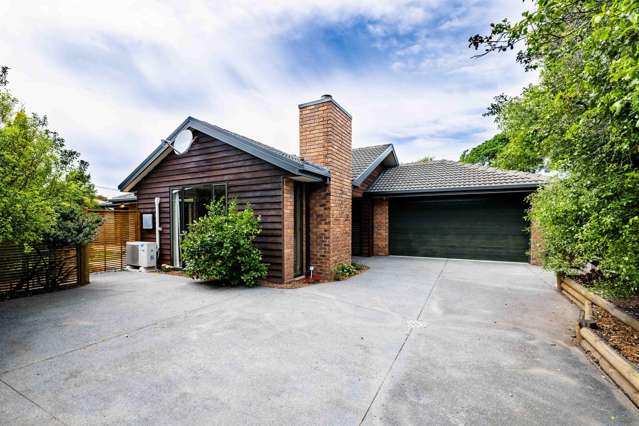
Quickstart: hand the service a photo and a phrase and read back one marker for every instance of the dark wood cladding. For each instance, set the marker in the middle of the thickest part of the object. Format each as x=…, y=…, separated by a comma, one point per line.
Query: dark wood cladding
x=359, y=191
x=248, y=179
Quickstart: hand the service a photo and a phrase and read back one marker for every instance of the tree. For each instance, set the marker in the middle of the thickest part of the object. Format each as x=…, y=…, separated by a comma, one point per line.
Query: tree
x=487, y=152
x=581, y=120
x=40, y=179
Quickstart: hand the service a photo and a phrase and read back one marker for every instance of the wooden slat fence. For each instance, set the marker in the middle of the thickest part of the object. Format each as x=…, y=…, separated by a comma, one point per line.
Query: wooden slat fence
x=42, y=269
x=107, y=252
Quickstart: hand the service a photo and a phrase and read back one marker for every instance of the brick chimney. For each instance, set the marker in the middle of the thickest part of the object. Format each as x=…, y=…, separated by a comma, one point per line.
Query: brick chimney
x=326, y=139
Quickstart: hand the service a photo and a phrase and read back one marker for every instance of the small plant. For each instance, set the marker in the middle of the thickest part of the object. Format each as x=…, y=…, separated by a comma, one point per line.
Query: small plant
x=220, y=246
x=169, y=268
x=360, y=267
x=344, y=271
x=313, y=280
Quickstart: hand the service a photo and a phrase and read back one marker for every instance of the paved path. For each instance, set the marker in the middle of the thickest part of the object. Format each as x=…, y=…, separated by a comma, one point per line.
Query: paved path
x=421, y=341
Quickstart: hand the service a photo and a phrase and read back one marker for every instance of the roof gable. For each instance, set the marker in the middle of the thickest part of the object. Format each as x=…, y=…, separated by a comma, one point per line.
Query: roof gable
x=288, y=162
x=367, y=158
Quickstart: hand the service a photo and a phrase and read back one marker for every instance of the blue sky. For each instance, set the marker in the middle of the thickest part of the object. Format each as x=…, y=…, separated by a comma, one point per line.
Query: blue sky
x=114, y=78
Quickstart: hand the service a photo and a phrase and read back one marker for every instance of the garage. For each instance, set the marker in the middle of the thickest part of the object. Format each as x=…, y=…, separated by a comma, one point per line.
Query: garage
x=486, y=226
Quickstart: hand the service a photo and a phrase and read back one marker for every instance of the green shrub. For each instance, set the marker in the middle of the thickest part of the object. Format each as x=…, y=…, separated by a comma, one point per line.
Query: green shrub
x=344, y=271
x=220, y=246
x=592, y=221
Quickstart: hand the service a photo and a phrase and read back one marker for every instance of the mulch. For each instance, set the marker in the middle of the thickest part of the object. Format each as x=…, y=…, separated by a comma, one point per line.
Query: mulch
x=630, y=305
x=305, y=283
x=620, y=336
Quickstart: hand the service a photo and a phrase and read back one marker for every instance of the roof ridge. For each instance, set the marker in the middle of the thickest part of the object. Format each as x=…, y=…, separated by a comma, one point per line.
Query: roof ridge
x=475, y=166
x=371, y=146
x=498, y=170
x=250, y=140
x=265, y=146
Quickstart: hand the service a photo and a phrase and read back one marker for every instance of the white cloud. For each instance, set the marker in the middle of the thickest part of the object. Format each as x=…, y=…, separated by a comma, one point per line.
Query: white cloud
x=116, y=77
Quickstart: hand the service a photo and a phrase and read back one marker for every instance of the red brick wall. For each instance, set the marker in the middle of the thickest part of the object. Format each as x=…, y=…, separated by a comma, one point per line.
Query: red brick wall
x=380, y=227
x=326, y=139
x=359, y=191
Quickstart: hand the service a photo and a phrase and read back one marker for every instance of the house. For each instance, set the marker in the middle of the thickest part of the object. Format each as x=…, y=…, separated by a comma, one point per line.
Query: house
x=332, y=201
x=120, y=202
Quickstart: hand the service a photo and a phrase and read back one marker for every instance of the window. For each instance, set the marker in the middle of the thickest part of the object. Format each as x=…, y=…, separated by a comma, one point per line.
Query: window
x=189, y=203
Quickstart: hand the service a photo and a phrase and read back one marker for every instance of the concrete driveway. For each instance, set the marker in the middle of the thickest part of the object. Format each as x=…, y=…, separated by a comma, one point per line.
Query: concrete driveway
x=412, y=340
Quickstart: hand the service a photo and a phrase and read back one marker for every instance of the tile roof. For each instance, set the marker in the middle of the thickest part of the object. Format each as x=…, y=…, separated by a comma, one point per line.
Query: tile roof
x=446, y=175
x=127, y=196
x=364, y=157
x=272, y=150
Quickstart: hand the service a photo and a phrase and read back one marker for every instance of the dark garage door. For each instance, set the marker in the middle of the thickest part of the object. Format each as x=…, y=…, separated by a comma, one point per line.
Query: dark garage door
x=490, y=227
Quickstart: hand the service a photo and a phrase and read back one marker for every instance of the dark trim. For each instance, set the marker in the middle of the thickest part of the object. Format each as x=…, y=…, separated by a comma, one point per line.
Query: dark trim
x=455, y=191
x=379, y=160
x=324, y=100
x=295, y=167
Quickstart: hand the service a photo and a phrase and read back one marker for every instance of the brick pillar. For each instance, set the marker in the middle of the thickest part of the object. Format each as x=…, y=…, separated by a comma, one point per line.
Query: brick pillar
x=326, y=139
x=288, y=231
x=380, y=227
x=366, y=227
x=536, y=245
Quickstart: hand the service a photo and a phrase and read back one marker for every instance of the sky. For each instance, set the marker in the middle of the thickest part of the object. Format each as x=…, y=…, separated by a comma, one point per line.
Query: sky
x=114, y=78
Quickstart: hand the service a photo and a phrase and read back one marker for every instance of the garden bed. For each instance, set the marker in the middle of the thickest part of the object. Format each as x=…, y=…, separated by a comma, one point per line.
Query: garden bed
x=620, y=336
x=610, y=335
x=357, y=269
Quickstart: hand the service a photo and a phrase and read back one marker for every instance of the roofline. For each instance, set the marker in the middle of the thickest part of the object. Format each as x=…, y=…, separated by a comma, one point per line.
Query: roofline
x=362, y=176
x=324, y=100
x=305, y=169
x=520, y=187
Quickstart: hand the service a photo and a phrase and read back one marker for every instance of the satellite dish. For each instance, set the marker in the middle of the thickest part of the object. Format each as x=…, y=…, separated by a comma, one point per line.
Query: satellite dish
x=182, y=142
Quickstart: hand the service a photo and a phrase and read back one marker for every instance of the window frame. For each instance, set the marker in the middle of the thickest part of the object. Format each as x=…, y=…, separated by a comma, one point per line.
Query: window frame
x=172, y=207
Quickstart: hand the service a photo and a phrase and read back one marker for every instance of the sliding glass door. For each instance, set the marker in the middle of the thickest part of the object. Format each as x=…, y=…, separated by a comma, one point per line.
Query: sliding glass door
x=189, y=203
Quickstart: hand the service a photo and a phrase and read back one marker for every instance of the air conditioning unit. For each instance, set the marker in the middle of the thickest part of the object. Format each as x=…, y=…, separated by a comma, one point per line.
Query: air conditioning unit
x=141, y=255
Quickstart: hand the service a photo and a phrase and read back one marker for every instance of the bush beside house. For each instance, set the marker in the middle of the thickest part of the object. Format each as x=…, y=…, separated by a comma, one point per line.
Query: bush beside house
x=220, y=246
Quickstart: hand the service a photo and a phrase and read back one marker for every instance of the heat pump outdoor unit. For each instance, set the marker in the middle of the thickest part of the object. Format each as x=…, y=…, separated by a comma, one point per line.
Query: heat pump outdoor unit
x=141, y=255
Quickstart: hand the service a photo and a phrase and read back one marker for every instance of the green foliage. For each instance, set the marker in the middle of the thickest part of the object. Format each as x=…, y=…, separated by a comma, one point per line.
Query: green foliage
x=425, y=159
x=345, y=270
x=486, y=152
x=73, y=227
x=40, y=179
x=220, y=246
x=582, y=122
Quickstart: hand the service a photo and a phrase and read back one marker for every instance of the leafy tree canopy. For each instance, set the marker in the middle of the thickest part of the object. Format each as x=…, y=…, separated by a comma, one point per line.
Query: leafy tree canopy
x=582, y=120
x=43, y=184
x=487, y=152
